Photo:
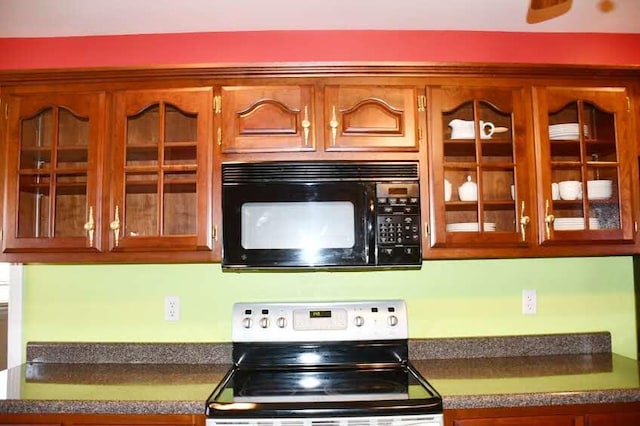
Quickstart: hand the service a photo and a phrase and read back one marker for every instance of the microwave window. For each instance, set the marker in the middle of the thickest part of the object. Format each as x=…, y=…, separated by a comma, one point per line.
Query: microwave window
x=310, y=225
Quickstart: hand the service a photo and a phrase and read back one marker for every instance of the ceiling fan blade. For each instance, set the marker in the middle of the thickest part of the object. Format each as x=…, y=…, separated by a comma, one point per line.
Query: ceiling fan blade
x=543, y=10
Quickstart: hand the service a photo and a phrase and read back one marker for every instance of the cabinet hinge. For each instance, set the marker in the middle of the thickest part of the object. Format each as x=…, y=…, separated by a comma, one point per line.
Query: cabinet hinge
x=6, y=111
x=214, y=233
x=635, y=226
x=422, y=103
x=217, y=104
x=1, y=234
x=219, y=136
x=628, y=104
x=426, y=228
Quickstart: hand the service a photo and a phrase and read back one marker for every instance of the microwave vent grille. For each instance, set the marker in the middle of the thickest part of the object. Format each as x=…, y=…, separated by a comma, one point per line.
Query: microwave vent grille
x=318, y=171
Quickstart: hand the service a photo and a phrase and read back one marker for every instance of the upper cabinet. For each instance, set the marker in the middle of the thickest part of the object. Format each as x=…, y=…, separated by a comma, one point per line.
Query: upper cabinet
x=267, y=118
x=54, y=149
x=161, y=173
x=125, y=165
x=585, y=168
x=371, y=118
x=480, y=164
x=291, y=118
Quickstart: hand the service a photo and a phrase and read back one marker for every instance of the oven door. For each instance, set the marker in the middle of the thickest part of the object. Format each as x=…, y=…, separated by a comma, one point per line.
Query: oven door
x=298, y=225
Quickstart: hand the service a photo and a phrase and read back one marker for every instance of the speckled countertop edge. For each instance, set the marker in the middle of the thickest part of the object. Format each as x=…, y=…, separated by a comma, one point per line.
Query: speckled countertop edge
x=541, y=399
x=220, y=353
x=101, y=407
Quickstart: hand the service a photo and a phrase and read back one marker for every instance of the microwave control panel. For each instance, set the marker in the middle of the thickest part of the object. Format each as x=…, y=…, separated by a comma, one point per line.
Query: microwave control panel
x=398, y=239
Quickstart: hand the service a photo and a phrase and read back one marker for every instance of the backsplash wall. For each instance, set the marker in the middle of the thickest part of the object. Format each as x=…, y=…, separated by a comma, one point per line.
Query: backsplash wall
x=453, y=298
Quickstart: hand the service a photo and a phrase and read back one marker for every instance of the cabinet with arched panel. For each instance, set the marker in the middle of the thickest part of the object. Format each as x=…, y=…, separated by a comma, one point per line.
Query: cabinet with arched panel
x=315, y=118
x=54, y=148
x=481, y=169
x=161, y=171
x=585, y=167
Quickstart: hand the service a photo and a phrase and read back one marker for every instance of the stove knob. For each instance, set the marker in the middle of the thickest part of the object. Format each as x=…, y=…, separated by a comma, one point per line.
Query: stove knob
x=358, y=321
x=264, y=322
x=246, y=323
x=392, y=320
x=282, y=322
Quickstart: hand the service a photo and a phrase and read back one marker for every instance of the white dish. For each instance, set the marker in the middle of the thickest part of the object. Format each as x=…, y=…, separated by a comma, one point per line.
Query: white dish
x=574, y=224
x=470, y=227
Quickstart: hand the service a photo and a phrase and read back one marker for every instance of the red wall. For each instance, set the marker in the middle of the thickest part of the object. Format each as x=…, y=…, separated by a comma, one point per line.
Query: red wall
x=319, y=46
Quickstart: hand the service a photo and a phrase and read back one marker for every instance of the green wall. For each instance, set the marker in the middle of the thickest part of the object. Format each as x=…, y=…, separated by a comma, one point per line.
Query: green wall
x=445, y=298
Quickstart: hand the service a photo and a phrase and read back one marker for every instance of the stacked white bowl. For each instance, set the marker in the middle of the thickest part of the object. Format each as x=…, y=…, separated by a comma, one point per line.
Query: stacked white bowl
x=470, y=227
x=599, y=189
x=567, y=131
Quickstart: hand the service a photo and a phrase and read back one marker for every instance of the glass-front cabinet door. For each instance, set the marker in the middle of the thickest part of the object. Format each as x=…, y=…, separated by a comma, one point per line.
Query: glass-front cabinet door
x=161, y=177
x=480, y=177
x=585, y=171
x=53, y=186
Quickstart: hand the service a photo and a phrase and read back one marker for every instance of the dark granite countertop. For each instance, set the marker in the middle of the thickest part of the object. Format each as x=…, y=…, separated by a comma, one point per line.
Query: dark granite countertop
x=177, y=378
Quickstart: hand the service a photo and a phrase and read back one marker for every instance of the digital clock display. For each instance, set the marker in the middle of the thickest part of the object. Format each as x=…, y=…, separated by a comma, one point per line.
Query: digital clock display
x=319, y=314
x=398, y=190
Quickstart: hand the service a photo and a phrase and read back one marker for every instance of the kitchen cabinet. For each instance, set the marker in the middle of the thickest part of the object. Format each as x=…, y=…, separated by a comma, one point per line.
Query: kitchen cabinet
x=161, y=186
x=54, y=145
x=480, y=168
x=520, y=421
x=583, y=139
x=124, y=165
x=371, y=118
x=45, y=419
x=613, y=419
x=267, y=118
x=291, y=118
x=614, y=414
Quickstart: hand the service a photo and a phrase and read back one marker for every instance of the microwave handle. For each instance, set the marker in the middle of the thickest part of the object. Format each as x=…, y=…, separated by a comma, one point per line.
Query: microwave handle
x=371, y=227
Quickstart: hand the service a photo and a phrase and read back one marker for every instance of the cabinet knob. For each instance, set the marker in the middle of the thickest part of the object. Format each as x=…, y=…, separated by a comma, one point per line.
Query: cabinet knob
x=306, y=124
x=90, y=226
x=334, y=125
x=524, y=221
x=548, y=219
x=115, y=226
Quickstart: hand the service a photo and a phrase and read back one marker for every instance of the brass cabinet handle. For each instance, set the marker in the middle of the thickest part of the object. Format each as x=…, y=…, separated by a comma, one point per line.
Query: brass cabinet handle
x=548, y=219
x=115, y=227
x=90, y=226
x=306, y=124
x=334, y=125
x=524, y=221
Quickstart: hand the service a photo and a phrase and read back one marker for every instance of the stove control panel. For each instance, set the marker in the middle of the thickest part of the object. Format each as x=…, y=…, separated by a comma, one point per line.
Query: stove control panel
x=320, y=321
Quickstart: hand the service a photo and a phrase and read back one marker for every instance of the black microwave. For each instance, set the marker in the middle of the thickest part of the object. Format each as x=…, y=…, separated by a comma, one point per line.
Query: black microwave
x=292, y=215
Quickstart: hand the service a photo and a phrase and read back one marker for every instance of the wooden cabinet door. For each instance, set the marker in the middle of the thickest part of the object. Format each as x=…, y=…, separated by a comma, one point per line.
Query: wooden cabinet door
x=613, y=419
x=53, y=176
x=480, y=168
x=161, y=186
x=567, y=420
x=267, y=119
x=583, y=139
x=371, y=118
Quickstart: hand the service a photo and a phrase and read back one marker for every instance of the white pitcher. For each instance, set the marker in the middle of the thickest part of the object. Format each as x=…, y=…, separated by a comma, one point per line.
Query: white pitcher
x=464, y=129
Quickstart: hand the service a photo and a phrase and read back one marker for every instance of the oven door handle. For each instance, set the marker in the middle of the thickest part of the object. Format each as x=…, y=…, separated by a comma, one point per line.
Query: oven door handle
x=223, y=383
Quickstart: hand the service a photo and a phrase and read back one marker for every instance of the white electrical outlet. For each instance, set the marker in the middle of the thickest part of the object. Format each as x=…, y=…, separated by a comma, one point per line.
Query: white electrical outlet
x=172, y=308
x=529, y=302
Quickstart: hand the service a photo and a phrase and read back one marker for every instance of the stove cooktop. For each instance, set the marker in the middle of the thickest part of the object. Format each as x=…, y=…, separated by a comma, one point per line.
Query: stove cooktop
x=322, y=360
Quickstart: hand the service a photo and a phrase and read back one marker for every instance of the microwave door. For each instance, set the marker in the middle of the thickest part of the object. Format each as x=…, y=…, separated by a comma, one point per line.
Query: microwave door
x=298, y=225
